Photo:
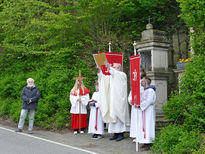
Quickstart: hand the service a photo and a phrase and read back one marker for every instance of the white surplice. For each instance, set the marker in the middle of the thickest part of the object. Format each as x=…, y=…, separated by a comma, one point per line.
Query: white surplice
x=75, y=103
x=146, y=117
x=93, y=120
x=113, y=100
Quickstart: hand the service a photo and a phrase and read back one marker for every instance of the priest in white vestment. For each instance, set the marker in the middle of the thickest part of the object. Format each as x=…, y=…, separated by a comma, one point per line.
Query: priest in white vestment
x=113, y=101
x=146, y=115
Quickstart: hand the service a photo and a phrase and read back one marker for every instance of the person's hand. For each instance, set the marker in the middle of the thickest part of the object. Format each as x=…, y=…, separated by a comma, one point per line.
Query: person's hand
x=137, y=106
x=29, y=101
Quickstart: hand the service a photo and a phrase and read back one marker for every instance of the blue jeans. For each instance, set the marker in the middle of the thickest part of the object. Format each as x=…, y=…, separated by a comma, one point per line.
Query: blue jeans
x=23, y=117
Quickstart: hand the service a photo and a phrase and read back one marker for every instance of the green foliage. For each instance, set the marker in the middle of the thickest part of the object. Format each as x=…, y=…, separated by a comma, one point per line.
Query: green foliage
x=187, y=107
x=202, y=147
x=39, y=40
x=54, y=79
x=193, y=13
x=176, y=139
x=51, y=40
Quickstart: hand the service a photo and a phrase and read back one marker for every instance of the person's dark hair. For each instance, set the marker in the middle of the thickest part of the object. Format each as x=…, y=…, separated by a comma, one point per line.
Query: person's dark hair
x=148, y=80
x=142, y=73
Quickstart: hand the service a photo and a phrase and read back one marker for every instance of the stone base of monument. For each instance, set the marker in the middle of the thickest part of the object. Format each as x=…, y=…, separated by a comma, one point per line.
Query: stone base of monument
x=161, y=122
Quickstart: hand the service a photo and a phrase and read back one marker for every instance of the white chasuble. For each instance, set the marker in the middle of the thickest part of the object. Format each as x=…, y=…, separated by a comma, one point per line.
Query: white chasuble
x=113, y=97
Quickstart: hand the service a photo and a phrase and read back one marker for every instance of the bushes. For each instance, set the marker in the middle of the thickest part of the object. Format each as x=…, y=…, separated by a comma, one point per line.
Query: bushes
x=53, y=75
x=177, y=139
x=187, y=107
x=186, y=111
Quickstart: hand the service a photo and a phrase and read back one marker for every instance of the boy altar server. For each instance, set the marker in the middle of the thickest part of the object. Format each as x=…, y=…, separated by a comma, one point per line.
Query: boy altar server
x=96, y=124
x=146, y=115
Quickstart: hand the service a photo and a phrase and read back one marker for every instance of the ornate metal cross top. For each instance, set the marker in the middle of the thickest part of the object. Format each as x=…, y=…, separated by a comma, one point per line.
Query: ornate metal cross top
x=79, y=77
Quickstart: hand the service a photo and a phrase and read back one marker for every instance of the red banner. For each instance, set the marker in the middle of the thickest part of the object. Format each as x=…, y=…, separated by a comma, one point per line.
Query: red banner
x=112, y=57
x=135, y=78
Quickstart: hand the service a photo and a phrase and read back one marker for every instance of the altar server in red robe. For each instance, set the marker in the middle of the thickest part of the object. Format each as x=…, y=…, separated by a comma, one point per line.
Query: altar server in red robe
x=79, y=97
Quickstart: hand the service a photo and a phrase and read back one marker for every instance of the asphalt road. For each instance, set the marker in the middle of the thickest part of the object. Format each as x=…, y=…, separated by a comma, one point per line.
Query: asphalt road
x=21, y=143
x=47, y=142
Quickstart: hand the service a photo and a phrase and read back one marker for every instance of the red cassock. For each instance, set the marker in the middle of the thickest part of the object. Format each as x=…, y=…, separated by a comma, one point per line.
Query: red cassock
x=75, y=121
x=75, y=117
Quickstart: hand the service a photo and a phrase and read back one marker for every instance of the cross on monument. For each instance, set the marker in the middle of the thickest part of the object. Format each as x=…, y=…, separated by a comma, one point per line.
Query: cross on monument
x=149, y=20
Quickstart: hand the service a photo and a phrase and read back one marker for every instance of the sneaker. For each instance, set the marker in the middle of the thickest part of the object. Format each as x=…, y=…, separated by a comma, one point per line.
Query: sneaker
x=30, y=132
x=82, y=132
x=75, y=132
x=18, y=130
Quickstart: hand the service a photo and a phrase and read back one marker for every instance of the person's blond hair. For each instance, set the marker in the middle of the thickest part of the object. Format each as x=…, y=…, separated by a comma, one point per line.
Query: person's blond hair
x=75, y=87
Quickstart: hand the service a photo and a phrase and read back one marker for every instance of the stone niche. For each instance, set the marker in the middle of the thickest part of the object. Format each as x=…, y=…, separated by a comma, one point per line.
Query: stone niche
x=153, y=50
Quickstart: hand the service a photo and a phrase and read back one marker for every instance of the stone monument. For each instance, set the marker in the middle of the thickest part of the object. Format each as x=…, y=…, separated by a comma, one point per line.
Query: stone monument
x=153, y=49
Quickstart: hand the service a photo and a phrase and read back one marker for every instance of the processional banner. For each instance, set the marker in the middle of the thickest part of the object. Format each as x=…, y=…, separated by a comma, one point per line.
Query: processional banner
x=135, y=79
x=112, y=57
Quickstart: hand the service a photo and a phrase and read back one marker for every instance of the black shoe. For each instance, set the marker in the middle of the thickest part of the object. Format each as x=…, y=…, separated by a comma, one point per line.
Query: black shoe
x=120, y=137
x=94, y=136
x=114, y=137
x=18, y=130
